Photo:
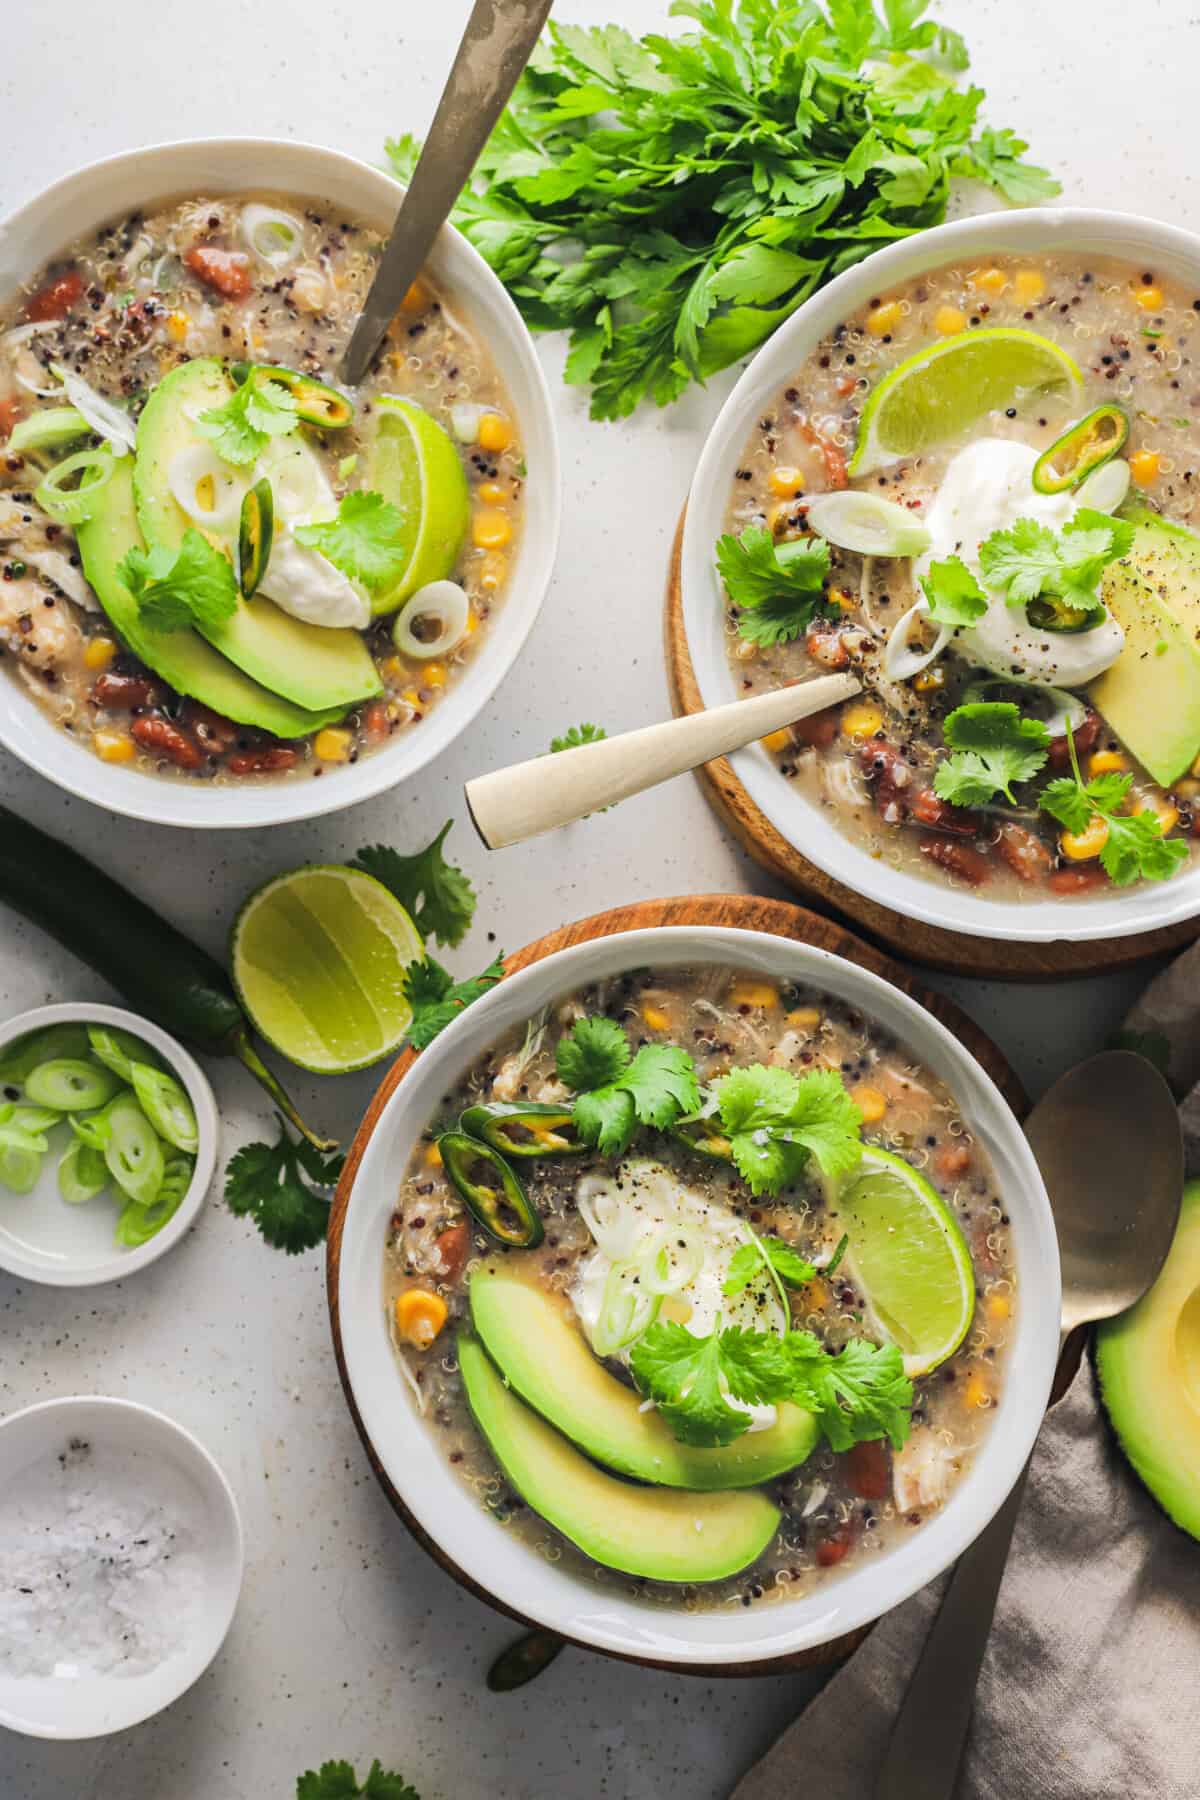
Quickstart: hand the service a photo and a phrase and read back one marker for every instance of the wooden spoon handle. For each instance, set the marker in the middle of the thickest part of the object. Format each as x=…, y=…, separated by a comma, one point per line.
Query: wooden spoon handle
x=532, y=797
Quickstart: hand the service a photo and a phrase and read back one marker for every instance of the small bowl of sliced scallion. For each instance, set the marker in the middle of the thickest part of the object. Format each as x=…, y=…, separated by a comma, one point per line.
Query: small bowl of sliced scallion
x=108, y=1143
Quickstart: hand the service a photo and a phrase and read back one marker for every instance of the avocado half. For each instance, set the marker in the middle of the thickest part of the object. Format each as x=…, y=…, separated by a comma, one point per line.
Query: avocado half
x=662, y=1533
x=1148, y=1361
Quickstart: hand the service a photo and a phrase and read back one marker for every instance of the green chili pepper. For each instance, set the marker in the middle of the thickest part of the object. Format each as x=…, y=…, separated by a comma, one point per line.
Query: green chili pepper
x=256, y=534
x=166, y=1105
x=1049, y=613
x=71, y=1084
x=529, y=1130
x=82, y=1172
x=702, y=1136
x=316, y=402
x=491, y=1191
x=133, y=1152
x=1087, y=445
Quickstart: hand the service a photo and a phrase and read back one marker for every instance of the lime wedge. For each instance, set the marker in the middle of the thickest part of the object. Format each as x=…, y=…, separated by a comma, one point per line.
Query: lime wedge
x=945, y=388
x=318, y=959
x=909, y=1257
x=413, y=463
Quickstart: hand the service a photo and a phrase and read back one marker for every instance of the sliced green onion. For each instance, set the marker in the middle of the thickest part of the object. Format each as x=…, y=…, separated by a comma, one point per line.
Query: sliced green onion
x=34, y=1047
x=49, y=429
x=82, y=1173
x=20, y=1161
x=69, y=491
x=626, y=1310
x=93, y=1128
x=166, y=1105
x=347, y=466
x=33, y=1119
x=17, y=1137
x=133, y=1152
x=108, y=421
x=1106, y=487
x=137, y=1224
x=69, y=1084
x=867, y=523
x=672, y=1261
x=120, y=1050
x=274, y=236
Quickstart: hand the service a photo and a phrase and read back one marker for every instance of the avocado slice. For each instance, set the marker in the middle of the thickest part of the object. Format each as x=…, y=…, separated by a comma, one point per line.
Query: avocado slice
x=1151, y=694
x=546, y=1359
x=1148, y=1361
x=665, y=1534
x=316, y=666
x=182, y=657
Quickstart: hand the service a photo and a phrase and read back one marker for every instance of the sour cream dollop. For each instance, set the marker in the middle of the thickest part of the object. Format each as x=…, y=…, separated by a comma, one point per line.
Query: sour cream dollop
x=988, y=487
x=302, y=581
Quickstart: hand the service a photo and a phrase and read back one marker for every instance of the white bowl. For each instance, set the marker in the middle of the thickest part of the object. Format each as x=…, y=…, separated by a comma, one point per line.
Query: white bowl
x=92, y=1705
x=107, y=189
x=496, y=1561
x=43, y=1238
x=1063, y=230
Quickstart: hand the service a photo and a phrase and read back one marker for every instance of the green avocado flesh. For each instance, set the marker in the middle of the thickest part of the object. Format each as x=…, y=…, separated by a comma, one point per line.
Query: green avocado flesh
x=546, y=1359
x=316, y=666
x=662, y=1533
x=1151, y=694
x=181, y=657
x=1148, y=1361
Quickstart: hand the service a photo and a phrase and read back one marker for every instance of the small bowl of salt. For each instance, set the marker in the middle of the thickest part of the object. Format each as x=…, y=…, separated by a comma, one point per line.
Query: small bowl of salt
x=120, y=1565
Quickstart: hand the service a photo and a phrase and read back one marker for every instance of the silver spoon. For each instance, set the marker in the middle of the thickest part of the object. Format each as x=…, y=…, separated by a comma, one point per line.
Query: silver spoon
x=495, y=47
x=1107, y=1140
x=512, y=804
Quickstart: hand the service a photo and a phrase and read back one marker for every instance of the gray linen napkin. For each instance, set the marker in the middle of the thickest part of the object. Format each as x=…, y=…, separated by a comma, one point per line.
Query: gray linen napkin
x=1090, y=1689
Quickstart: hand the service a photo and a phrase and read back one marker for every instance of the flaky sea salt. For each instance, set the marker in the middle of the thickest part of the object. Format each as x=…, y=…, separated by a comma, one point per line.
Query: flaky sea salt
x=100, y=1572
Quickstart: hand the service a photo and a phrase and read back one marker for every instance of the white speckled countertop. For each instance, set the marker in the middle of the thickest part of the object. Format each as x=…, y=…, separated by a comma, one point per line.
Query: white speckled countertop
x=349, y=1641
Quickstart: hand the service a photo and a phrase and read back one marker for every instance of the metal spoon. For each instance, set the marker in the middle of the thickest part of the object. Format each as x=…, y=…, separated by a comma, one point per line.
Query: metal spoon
x=1107, y=1140
x=531, y=797
x=495, y=47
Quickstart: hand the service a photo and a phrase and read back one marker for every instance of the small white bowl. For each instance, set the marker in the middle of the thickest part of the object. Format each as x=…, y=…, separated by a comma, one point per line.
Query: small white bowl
x=1145, y=244
x=88, y=1706
x=497, y=1562
x=42, y=1237
x=140, y=178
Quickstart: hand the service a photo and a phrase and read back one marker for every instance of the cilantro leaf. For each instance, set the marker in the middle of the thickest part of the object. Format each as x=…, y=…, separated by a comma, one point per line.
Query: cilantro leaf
x=337, y=1781
x=367, y=539
x=1135, y=847
x=193, y=585
x=270, y=1184
x=436, y=894
x=777, y=588
x=776, y=1123
x=993, y=746
x=607, y=1118
x=577, y=736
x=750, y=1260
x=689, y=1378
x=614, y=1093
x=593, y=1053
x=859, y=1394
x=437, y=999
x=1029, y=562
x=254, y=413
x=826, y=1122
x=661, y=1081
x=954, y=595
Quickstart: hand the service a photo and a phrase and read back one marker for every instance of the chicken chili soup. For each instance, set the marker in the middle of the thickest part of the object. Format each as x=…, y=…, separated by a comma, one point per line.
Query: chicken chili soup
x=703, y=1285
x=981, y=494
x=217, y=562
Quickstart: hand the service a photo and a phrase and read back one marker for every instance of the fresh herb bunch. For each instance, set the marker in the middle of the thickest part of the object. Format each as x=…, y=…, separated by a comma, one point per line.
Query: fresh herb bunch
x=671, y=200
x=615, y=1091
x=285, y=1188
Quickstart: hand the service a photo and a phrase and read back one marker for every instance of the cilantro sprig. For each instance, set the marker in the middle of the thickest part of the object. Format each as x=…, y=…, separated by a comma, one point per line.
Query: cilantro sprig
x=437, y=999
x=337, y=1781
x=1056, y=574
x=616, y=1091
x=769, y=1254
x=1134, y=847
x=992, y=746
x=284, y=1187
x=436, y=894
x=778, y=588
x=367, y=539
x=241, y=428
x=953, y=595
x=777, y=1123
x=576, y=737
x=192, y=585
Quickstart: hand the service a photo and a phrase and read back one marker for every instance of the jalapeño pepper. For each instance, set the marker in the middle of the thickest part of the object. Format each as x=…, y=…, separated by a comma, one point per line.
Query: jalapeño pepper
x=316, y=403
x=531, y=1129
x=256, y=533
x=490, y=1190
x=702, y=1136
x=1086, y=446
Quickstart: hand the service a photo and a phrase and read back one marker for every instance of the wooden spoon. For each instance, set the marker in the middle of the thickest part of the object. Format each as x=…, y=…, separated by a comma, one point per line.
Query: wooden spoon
x=532, y=797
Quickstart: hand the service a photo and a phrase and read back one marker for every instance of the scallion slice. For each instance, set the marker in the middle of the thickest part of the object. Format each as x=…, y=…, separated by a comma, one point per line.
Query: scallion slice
x=69, y=491
x=867, y=524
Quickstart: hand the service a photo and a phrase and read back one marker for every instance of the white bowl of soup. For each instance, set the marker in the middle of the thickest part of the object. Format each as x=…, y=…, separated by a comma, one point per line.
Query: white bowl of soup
x=327, y=584
x=1095, y=426
x=495, y=1348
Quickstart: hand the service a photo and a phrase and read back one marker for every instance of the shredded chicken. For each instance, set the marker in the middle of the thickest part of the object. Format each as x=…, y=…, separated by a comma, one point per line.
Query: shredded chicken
x=923, y=1471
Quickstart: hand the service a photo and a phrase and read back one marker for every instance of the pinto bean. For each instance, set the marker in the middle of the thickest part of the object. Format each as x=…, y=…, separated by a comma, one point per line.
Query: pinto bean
x=124, y=693
x=869, y=1468
x=262, y=762
x=818, y=731
x=890, y=777
x=1058, y=756
x=452, y=1247
x=1077, y=881
x=166, y=739
x=227, y=272
x=930, y=809
x=832, y=1549
x=824, y=644
x=1024, y=852
x=958, y=859
x=55, y=300
x=213, y=729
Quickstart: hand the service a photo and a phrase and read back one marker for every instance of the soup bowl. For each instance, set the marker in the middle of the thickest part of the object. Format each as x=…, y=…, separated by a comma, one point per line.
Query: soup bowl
x=450, y=1520
x=109, y=189
x=1062, y=231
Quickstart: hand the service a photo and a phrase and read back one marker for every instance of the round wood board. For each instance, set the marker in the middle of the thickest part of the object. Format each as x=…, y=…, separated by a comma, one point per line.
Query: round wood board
x=955, y=951
x=749, y=914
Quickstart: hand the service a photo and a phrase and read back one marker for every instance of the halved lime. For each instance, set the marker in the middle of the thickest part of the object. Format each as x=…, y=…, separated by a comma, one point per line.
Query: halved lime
x=413, y=463
x=318, y=959
x=909, y=1257
x=945, y=388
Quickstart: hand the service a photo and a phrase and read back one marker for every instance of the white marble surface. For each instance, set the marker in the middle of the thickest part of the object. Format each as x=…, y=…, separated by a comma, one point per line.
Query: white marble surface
x=349, y=1642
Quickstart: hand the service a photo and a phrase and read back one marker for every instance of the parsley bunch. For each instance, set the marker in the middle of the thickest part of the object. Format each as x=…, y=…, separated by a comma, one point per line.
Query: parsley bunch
x=617, y=1091
x=670, y=200
x=778, y=588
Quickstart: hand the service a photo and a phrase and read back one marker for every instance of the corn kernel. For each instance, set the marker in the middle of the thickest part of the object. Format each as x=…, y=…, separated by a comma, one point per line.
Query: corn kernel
x=114, y=747
x=949, y=321
x=492, y=570
x=99, y=653
x=655, y=1017
x=472, y=625
x=761, y=994
x=1029, y=283
x=777, y=741
x=870, y=1102
x=786, y=481
x=989, y=281
x=490, y=528
x=839, y=597
x=332, y=745
x=999, y=1308
x=435, y=675
x=258, y=340
x=861, y=720
x=394, y=669
x=492, y=492
x=416, y=298
x=1107, y=762
x=976, y=1392
x=410, y=697
x=495, y=433
x=177, y=326
x=1163, y=809
x=1143, y=466
x=804, y=1018
x=420, y=1315
x=1081, y=846
x=882, y=320
x=433, y=1157
x=930, y=680
x=1149, y=298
